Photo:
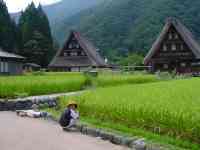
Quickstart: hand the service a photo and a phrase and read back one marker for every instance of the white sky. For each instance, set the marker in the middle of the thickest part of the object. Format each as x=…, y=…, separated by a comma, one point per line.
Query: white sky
x=18, y=5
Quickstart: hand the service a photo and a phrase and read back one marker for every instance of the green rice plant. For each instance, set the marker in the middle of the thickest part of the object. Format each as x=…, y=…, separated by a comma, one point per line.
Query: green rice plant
x=58, y=82
x=167, y=108
x=41, y=84
x=119, y=79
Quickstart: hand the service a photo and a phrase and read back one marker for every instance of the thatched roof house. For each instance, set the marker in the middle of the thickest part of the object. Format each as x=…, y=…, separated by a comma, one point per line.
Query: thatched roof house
x=77, y=54
x=174, y=49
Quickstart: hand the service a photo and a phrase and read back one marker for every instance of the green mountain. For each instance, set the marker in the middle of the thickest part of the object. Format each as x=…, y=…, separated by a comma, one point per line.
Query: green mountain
x=60, y=12
x=129, y=25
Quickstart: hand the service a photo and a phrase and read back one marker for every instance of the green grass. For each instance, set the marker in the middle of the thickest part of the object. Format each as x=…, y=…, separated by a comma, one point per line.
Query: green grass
x=165, y=108
x=57, y=82
x=105, y=80
x=13, y=86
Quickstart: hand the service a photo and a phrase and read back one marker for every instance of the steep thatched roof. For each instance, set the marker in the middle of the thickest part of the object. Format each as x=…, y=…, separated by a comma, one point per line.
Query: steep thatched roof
x=182, y=30
x=4, y=54
x=93, y=59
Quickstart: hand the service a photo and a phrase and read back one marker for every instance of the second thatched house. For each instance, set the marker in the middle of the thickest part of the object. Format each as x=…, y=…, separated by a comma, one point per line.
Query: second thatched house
x=77, y=54
x=175, y=49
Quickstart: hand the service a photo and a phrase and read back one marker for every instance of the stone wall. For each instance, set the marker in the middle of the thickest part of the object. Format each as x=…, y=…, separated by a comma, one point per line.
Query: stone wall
x=28, y=102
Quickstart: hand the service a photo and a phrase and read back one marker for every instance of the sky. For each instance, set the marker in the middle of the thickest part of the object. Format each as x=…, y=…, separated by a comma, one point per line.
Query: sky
x=18, y=5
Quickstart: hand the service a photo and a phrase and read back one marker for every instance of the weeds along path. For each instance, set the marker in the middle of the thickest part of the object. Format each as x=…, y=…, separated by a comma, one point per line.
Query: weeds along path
x=34, y=134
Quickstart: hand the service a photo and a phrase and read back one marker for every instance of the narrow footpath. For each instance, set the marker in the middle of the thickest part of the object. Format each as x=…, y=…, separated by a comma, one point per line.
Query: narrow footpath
x=17, y=133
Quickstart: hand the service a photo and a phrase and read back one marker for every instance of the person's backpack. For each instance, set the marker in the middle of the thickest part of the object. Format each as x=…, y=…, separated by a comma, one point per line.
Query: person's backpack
x=65, y=118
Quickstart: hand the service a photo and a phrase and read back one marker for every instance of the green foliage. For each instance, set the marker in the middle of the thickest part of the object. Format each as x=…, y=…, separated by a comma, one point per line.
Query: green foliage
x=8, y=29
x=131, y=60
x=165, y=108
x=36, y=39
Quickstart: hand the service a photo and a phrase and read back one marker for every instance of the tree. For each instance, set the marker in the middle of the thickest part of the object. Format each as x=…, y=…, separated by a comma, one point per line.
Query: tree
x=8, y=29
x=133, y=59
x=36, y=39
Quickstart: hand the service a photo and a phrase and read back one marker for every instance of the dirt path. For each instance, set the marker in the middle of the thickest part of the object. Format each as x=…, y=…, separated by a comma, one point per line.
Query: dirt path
x=18, y=133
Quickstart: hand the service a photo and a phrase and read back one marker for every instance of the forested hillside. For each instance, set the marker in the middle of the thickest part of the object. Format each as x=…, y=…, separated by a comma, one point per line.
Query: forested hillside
x=59, y=12
x=129, y=25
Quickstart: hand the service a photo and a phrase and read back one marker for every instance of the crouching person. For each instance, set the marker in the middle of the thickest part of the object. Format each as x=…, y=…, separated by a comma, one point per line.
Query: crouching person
x=69, y=117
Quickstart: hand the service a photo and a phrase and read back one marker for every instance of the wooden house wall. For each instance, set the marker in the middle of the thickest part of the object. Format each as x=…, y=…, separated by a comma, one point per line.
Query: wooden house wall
x=10, y=67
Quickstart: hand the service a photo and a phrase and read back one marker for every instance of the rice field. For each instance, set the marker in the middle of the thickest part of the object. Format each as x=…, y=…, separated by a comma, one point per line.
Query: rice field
x=105, y=80
x=54, y=82
x=168, y=108
x=28, y=85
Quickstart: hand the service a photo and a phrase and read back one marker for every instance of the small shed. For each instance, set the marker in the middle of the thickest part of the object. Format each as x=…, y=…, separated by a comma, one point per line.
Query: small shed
x=10, y=64
x=31, y=67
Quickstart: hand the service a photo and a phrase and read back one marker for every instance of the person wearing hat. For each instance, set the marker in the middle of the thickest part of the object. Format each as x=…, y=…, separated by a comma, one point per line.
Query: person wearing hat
x=70, y=116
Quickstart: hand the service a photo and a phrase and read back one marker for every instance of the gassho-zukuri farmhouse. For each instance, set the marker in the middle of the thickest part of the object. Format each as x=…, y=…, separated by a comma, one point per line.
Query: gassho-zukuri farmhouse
x=175, y=49
x=77, y=54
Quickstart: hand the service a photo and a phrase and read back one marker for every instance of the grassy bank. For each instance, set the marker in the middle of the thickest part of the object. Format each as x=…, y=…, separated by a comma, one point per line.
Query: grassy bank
x=164, y=108
x=163, y=141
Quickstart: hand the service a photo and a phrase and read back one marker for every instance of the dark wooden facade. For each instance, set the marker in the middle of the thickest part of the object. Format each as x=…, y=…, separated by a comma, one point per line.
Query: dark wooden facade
x=10, y=64
x=175, y=49
x=77, y=54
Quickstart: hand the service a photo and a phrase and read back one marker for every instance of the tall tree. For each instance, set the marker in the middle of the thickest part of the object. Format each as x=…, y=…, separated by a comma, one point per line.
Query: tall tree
x=36, y=39
x=8, y=29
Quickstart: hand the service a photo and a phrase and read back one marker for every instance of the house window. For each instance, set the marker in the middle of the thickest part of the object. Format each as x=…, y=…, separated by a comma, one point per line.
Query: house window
x=73, y=53
x=70, y=46
x=6, y=67
x=183, y=64
x=176, y=36
x=77, y=46
x=164, y=47
x=165, y=66
x=170, y=36
x=173, y=47
x=65, y=54
x=182, y=47
x=1, y=66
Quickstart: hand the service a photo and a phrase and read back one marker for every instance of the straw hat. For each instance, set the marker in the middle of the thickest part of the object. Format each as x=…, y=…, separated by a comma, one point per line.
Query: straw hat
x=72, y=103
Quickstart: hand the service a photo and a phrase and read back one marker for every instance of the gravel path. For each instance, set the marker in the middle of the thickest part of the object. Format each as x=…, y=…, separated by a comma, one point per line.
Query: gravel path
x=18, y=133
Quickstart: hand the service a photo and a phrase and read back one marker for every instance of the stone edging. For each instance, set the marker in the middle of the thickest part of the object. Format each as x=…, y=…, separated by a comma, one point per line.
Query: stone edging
x=28, y=102
x=134, y=143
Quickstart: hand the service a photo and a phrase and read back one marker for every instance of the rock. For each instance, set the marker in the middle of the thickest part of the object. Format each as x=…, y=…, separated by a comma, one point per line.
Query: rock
x=29, y=104
x=128, y=141
x=117, y=140
x=2, y=106
x=106, y=135
x=84, y=130
x=10, y=105
x=20, y=105
x=93, y=132
x=139, y=144
x=51, y=103
x=79, y=127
